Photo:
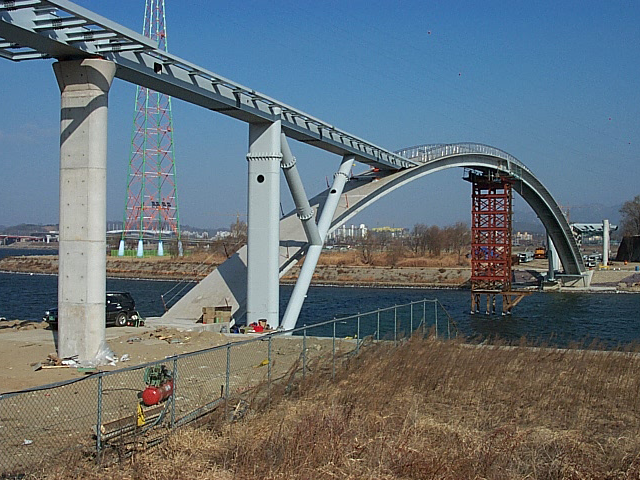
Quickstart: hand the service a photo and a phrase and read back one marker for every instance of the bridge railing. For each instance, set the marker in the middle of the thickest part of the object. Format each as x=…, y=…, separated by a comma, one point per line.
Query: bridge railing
x=102, y=413
x=429, y=153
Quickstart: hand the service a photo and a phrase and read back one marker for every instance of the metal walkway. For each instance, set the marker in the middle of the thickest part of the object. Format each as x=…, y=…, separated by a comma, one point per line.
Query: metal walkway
x=37, y=29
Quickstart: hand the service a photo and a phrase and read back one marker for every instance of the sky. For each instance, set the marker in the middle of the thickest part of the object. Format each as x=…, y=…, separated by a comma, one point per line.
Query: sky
x=553, y=83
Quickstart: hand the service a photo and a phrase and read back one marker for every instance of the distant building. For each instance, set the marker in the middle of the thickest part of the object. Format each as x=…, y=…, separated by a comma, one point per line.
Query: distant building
x=393, y=232
x=347, y=234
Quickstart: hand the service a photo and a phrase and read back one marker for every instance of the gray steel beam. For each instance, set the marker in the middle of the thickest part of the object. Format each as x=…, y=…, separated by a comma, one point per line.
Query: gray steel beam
x=313, y=252
x=305, y=212
x=61, y=29
x=552, y=259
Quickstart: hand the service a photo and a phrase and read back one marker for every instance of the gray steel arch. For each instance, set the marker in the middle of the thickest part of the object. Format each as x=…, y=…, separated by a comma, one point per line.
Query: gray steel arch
x=474, y=155
x=227, y=285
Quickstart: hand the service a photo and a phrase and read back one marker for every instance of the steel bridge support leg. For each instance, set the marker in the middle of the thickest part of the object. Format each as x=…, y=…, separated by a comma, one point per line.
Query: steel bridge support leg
x=552, y=258
x=84, y=87
x=313, y=253
x=304, y=210
x=263, y=222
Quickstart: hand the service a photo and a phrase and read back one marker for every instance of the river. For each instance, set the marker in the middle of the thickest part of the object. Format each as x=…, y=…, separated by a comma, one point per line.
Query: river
x=553, y=318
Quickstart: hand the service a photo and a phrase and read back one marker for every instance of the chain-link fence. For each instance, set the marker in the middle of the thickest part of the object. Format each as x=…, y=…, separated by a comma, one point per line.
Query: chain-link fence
x=103, y=412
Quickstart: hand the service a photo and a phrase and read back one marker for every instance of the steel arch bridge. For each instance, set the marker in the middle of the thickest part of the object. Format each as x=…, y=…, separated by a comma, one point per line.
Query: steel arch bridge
x=91, y=51
x=226, y=283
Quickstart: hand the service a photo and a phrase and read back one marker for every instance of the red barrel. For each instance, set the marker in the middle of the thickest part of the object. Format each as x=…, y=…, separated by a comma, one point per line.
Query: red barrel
x=154, y=395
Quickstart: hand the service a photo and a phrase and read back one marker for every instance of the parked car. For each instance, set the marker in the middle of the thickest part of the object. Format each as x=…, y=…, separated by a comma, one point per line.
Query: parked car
x=120, y=310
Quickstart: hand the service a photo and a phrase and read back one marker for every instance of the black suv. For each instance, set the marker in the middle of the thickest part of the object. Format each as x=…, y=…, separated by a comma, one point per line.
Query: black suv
x=120, y=310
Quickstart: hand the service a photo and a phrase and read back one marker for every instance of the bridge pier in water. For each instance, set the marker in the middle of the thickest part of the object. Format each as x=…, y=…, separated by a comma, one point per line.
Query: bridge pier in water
x=84, y=87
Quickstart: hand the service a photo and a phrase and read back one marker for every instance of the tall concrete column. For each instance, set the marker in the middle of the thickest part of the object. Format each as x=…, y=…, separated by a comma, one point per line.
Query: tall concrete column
x=84, y=86
x=263, y=222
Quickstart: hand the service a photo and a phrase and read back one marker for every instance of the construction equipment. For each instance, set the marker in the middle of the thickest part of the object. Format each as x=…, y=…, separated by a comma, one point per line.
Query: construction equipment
x=540, y=252
x=159, y=381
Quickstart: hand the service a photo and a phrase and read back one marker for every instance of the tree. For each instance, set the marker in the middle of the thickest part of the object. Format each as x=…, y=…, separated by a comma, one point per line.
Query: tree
x=395, y=251
x=419, y=238
x=434, y=240
x=239, y=230
x=631, y=216
x=459, y=238
x=367, y=246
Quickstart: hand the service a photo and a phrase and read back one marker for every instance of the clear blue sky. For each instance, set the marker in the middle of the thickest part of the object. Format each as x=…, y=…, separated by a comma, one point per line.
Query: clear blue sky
x=553, y=83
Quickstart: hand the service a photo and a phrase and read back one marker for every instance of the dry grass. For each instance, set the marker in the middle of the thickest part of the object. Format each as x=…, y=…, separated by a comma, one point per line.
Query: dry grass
x=381, y=259
x=424, y=410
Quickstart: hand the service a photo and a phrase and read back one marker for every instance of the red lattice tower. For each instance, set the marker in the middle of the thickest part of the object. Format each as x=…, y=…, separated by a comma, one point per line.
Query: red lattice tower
x=491, y=214
x=151, y=208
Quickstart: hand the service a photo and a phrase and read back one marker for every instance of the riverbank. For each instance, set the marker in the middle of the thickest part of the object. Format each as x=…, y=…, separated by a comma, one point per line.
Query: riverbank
x=335, y=269
x=428, y=409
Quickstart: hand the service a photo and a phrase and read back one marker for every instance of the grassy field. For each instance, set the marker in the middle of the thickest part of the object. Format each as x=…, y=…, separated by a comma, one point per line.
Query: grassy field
x=427, y=409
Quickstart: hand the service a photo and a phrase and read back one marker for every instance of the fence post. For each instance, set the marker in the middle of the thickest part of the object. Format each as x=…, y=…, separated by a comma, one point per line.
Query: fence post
x=358, y=336
x=378, y=328
x=395, y=325
x=424, y=316
x=99, y=420
x=333, y=356
x=304, y=351
x=269, y=373
x=175, y=389
x=411, y=320
x=226, y=387
x=435, y=311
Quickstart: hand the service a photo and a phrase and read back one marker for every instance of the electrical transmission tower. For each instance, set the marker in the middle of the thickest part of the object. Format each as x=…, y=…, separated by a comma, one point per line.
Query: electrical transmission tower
x=151, y=209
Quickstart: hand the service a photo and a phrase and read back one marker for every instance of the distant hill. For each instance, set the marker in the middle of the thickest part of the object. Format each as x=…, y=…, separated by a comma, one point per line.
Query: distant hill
x=595, y=213
x=527, y=221
x=28, y=229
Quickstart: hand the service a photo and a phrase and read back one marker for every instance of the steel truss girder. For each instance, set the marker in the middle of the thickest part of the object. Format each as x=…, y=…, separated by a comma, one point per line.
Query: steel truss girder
x=60, y=29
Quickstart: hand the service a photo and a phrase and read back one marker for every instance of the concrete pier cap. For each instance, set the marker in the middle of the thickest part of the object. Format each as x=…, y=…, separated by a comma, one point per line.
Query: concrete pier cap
x=84, y=85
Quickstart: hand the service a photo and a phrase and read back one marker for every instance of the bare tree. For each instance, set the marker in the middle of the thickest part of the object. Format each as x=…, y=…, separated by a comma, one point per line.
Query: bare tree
x=460, y=238
x=395, y=251
x=434, y=239
x=631, y=216
x=367, y=245
x=419, y=238
x=239, y=230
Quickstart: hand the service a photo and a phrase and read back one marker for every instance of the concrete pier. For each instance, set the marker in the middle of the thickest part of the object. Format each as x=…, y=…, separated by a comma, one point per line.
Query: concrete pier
x=84, y=86
x=263, y=222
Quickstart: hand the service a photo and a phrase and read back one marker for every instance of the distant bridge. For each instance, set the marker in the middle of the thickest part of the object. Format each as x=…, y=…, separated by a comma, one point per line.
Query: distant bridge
x=92, y=50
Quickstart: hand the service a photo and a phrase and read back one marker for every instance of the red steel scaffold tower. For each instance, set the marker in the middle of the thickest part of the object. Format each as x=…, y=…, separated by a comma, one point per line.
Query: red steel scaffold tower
x=491, y=216
x=151, y=209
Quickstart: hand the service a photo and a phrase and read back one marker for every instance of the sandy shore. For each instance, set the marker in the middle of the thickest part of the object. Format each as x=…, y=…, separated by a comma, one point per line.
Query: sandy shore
x=24, y=344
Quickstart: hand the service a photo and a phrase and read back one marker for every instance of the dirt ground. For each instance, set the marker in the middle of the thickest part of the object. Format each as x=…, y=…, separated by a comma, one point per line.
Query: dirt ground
x=24, y=344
